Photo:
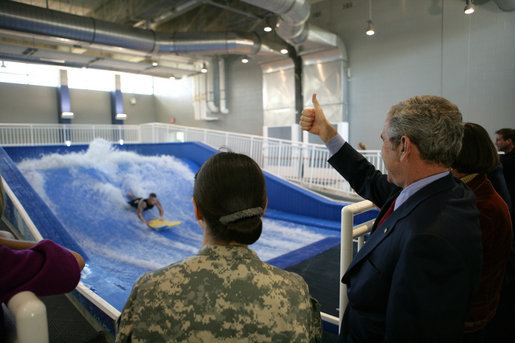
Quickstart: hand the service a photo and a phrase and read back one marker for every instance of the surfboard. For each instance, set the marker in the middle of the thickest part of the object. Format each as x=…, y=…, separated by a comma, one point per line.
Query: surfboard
x=161, y=224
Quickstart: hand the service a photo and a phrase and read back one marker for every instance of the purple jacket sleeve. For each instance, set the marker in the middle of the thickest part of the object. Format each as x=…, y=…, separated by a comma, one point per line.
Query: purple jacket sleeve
x=45, y=269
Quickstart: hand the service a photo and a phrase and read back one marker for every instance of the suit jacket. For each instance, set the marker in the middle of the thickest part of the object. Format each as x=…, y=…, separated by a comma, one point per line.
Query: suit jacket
x=414, y=279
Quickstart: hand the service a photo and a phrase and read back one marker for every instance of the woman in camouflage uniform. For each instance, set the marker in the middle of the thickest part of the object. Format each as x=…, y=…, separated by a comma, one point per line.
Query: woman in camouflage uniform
x=225, y=293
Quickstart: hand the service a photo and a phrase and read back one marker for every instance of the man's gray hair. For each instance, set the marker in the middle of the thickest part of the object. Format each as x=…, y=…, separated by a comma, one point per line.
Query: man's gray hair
x=433, y=124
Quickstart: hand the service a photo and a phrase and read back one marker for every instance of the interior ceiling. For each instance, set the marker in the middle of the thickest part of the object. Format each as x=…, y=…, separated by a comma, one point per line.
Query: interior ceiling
x=161, y=16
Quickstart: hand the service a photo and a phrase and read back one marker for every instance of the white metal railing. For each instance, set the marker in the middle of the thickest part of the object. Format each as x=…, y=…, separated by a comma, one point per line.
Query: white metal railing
x=303, y=163
x=56, y=134
x=23, y=224
x=350, y=233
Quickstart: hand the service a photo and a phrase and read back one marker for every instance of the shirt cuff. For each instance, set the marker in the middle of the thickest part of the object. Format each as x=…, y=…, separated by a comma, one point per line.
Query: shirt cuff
x=335, y=144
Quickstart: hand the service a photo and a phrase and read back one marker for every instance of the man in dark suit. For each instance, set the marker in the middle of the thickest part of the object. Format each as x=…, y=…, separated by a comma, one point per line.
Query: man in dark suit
x=414, y=279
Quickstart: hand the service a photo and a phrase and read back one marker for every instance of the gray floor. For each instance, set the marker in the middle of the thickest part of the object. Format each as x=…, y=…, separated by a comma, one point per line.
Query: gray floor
x=67, y=324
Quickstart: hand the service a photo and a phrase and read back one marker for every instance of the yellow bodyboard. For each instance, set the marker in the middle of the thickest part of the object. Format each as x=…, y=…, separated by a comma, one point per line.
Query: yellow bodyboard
x=161, y=224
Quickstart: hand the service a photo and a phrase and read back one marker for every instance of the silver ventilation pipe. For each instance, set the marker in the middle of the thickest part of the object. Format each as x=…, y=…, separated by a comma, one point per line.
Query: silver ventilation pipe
x=36, y=20
x=211, y=79
x=292, y=27
x=293, y=16
x=223, y=96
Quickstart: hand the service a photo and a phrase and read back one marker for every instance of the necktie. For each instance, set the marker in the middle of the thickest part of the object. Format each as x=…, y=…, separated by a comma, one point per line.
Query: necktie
x=387, y=213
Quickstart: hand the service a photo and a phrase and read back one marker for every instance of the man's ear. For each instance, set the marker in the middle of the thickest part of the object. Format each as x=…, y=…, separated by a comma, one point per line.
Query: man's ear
x=405, y=147
x=198, y=215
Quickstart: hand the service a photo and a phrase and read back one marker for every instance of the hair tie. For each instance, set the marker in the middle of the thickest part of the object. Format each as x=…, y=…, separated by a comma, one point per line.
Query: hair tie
x=250, y=212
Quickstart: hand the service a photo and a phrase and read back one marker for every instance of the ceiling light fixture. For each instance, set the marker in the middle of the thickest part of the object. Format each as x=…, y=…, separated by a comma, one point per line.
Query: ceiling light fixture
x=244, y=60
x=267, y=28
x=370, y=29
x=154, y=64
x=370, y=25
x=469, y=7
x=204, y=68
x=284, y=51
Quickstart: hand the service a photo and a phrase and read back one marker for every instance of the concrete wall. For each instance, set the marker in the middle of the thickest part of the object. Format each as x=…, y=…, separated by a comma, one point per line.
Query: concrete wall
x=177, y=103
x=142, y=109
x=27, y=104
x=37, y=104
x=244, y=83
x=90, y=107
x=419, y=48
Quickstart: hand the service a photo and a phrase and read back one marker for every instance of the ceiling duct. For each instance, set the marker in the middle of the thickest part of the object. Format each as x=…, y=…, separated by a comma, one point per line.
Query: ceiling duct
x=36, y=20
x=292, y=27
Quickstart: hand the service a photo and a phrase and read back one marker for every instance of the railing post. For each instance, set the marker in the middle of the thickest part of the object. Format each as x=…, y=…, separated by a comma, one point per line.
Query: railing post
x=346, y=244
x=279, y=157
x=31, y=318
x=311, y=166
x=252, y=149
x=31, y=135
x=345, y=255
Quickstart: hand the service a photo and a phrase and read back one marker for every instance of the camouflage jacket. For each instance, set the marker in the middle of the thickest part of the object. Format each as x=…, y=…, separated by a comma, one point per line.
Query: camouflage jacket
x=222, y=294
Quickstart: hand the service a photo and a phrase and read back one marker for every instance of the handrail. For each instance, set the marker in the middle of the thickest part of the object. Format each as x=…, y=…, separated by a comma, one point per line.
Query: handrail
x=348, y=233
x=330, y=319
x=23, y=214
x=99, y=302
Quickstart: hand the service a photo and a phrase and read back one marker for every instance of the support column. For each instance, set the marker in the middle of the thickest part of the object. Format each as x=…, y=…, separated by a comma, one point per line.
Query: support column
x=64, y=112
x=117, y=113
x=297, y=62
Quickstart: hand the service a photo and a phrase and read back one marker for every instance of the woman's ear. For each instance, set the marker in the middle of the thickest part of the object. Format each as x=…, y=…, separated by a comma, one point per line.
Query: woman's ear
x=198, y=215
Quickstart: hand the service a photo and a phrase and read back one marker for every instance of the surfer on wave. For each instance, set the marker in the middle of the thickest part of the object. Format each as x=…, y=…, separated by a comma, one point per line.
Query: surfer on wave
x=145, y=204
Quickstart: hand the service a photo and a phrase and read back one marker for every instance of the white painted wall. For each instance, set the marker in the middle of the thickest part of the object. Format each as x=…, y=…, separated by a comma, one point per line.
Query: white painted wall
x=424, y=47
